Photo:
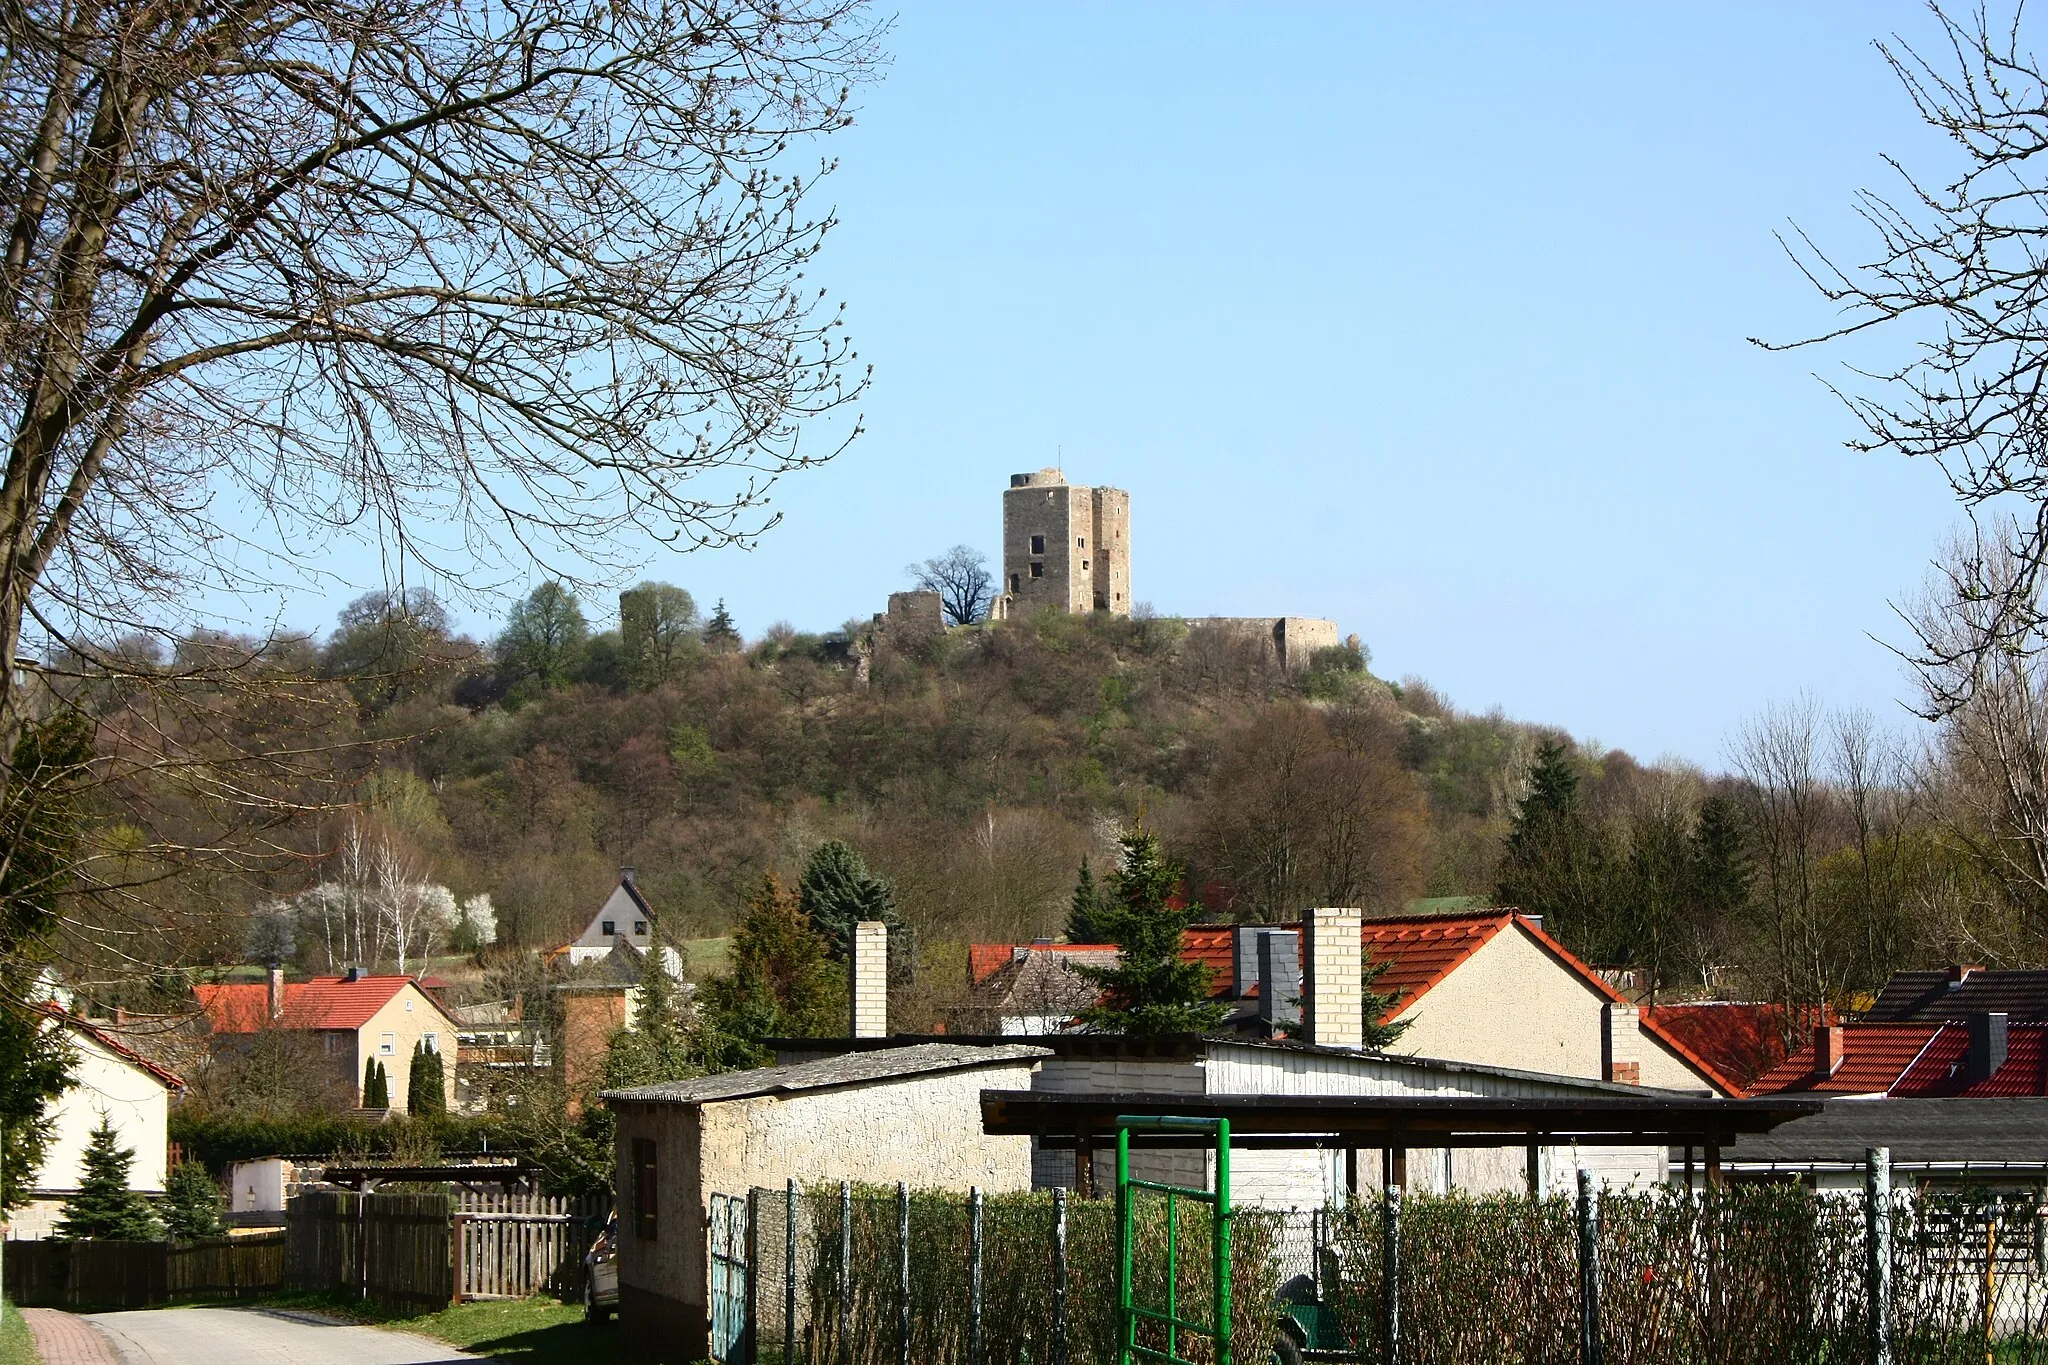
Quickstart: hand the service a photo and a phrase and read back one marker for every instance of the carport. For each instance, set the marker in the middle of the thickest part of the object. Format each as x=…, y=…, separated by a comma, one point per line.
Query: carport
x=1393, y=1124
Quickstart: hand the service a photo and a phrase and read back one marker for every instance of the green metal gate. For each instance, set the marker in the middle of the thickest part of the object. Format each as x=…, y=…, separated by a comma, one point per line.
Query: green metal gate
x=1130, y=1313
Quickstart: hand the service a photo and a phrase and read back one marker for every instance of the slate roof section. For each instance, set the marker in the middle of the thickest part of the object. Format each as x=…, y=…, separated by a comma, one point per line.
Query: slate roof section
x=830, y=1073
x=1874, y=1056
x=1958, y=992
x=1915, y=1129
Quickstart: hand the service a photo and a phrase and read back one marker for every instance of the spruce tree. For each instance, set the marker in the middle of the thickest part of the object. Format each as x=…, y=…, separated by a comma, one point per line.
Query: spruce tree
x=837, y=892
x=425, y=1082
x=1084, y=912
x=721, y=636
x=1152, y=989
x=781, y=984
x=192, y=1203
x=105, y=1209
x=656, y=1046
x=1552, y=865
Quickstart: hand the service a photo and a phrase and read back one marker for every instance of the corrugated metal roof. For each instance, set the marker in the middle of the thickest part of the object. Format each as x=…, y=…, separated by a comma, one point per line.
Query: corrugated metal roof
x=851, y=1068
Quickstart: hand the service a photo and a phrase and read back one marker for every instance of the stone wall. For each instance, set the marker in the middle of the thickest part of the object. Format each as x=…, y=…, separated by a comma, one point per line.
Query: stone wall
x=1065, y=546
x=1293, y=639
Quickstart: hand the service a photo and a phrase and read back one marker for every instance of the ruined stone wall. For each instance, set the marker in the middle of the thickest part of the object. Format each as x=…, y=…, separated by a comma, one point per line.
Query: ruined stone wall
x=1293, y=639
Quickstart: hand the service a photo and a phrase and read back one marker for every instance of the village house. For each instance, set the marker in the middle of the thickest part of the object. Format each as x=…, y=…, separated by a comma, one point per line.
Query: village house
x=345, y=1021
x=1489, y=987
x=109, y=1080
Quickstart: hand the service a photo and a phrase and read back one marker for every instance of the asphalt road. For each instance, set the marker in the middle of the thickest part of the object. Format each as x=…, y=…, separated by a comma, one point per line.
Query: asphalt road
x=249, y=1336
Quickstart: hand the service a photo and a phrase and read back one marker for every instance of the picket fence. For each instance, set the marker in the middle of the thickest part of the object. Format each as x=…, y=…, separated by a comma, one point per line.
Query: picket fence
x=513, y=1246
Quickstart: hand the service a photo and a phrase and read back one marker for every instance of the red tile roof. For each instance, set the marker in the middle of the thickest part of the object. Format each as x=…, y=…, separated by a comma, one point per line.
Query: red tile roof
x=1743, y=1041
x=325, y=1002
x=1214, y=946
x=1874, y=1057
x=171, y=1079
x=1422, y=951
x=1938, y=1070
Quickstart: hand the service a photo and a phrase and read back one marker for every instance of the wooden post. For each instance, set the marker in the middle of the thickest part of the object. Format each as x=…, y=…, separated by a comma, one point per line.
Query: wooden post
x=789, y=1276
x=1084, y=1163
x=458, y=1226
x=1688, y=1166
x=1535, y=1171
x=902, y=1273
x=1351, y=1172
x=1398, y=1167
x=1713, y=1163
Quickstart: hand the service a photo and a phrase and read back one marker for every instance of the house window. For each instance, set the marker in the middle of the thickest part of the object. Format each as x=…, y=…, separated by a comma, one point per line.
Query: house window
x=387, y=1044
x=608, y=928
x=1038, y=545
x=646, y=1189
x=640, y=927
x=432, y=1040
x=1037, y=570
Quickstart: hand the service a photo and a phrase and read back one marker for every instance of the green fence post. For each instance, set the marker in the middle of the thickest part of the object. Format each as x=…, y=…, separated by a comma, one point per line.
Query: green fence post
x=1222, y=1242
x=1127, y=1321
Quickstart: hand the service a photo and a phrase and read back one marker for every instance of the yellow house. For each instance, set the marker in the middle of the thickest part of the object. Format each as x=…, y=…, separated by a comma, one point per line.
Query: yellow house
x=355, y=1017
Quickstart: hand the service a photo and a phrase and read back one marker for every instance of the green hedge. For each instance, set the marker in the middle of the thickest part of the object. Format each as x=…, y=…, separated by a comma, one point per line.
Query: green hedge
x=218, y=1139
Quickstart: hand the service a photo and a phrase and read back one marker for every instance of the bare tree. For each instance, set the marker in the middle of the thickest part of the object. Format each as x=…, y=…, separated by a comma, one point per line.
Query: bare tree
x=1961, y=268
x=1787, y=800
x=961, y=579
x=475, y=281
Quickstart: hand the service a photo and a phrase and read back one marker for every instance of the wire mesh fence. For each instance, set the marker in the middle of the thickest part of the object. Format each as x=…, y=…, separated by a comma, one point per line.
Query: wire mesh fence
x=1735, y=1276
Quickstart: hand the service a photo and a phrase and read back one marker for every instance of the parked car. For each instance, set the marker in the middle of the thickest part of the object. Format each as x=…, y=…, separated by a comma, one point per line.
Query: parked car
x=601, y=1273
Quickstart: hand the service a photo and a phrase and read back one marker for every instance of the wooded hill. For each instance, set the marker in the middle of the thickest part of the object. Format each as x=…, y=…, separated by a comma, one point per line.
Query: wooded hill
x=977, y=769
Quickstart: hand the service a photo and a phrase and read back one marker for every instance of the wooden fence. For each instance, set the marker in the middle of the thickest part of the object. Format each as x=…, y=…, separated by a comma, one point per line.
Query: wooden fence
x=513, y=1246
x=142, y=1274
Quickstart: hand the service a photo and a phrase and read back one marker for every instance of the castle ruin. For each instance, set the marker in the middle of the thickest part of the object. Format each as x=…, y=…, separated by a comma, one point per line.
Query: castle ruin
x=1064, y=546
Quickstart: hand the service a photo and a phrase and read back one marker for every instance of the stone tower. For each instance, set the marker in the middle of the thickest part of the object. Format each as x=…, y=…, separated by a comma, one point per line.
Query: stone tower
x=1064, y=546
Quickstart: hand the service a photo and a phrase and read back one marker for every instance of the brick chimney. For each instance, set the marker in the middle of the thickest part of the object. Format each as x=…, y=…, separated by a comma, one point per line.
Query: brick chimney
x=1987, y=1047
x=1279, y=976
x=870, y=979
x=1829, y=1049
x=1335, y=996
x=276, y=991
x=1621, y=1044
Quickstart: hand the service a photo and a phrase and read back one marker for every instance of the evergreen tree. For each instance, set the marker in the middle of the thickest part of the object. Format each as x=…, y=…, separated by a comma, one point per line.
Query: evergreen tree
x=1552, y=865
x=721, y=636
x=1719, y=858
x=1084, y=912
x=656, y=1046
x=192, y=1204
x=105, y=1209
x=425, y=1083
x=837, y=892
x=782, y=984
x=376, y=1085
x=1152, y=989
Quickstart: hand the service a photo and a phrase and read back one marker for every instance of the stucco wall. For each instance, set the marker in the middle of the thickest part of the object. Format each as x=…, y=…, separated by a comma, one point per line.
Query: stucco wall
x=925, y=1130
x=136, y=1103
x=407, y=1016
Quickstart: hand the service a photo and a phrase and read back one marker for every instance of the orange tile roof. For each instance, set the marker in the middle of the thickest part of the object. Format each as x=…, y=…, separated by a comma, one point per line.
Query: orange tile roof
x=1744, y=1041
x=1214, y=946
x=1874, y=1057
x=986, y=959
x=325, y=1002
x=1422, y=951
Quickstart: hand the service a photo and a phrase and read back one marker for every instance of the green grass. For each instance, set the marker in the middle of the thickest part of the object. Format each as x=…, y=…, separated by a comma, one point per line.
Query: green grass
x=17, y=1343
x=708, y=957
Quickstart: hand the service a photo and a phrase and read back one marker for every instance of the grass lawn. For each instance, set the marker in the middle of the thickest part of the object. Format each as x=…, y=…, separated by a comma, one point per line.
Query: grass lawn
x=708, y=957
x=17, y=1343
x=527, y=1331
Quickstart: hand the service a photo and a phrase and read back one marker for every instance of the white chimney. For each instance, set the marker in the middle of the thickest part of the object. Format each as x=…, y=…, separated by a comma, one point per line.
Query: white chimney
x=1621, y=1046
x=870, y=983
x=276, y=991
x=1335, y=998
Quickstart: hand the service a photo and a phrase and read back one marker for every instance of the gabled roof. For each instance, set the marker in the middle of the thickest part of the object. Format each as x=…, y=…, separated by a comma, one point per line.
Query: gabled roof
x=851, y=1068
x=170, y=1079
x=1744, y=1041
x=325, y=1002
x=1874, y=1056
x=1958, y=992
x=1939, y=1069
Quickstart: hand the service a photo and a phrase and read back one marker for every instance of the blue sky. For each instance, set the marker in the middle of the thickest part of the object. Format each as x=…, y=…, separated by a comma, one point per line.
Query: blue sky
x=1430, y=319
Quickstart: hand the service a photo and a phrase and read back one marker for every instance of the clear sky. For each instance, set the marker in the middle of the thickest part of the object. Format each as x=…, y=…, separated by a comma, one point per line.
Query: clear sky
x=1430, y=319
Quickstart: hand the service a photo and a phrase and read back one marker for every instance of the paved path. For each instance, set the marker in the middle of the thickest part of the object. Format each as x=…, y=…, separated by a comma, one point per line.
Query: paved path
x=66, y=1339
x=250, y=1336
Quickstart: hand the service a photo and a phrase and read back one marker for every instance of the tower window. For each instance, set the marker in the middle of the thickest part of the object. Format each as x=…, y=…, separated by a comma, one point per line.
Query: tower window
x=1080, y=542
x=1084, y=563
x=1037, y=547
x=1016, y=583
x=1037, y=570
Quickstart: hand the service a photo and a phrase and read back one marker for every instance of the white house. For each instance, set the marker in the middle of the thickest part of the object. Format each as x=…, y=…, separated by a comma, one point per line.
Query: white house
x=625, y=915
x=109, y=1080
